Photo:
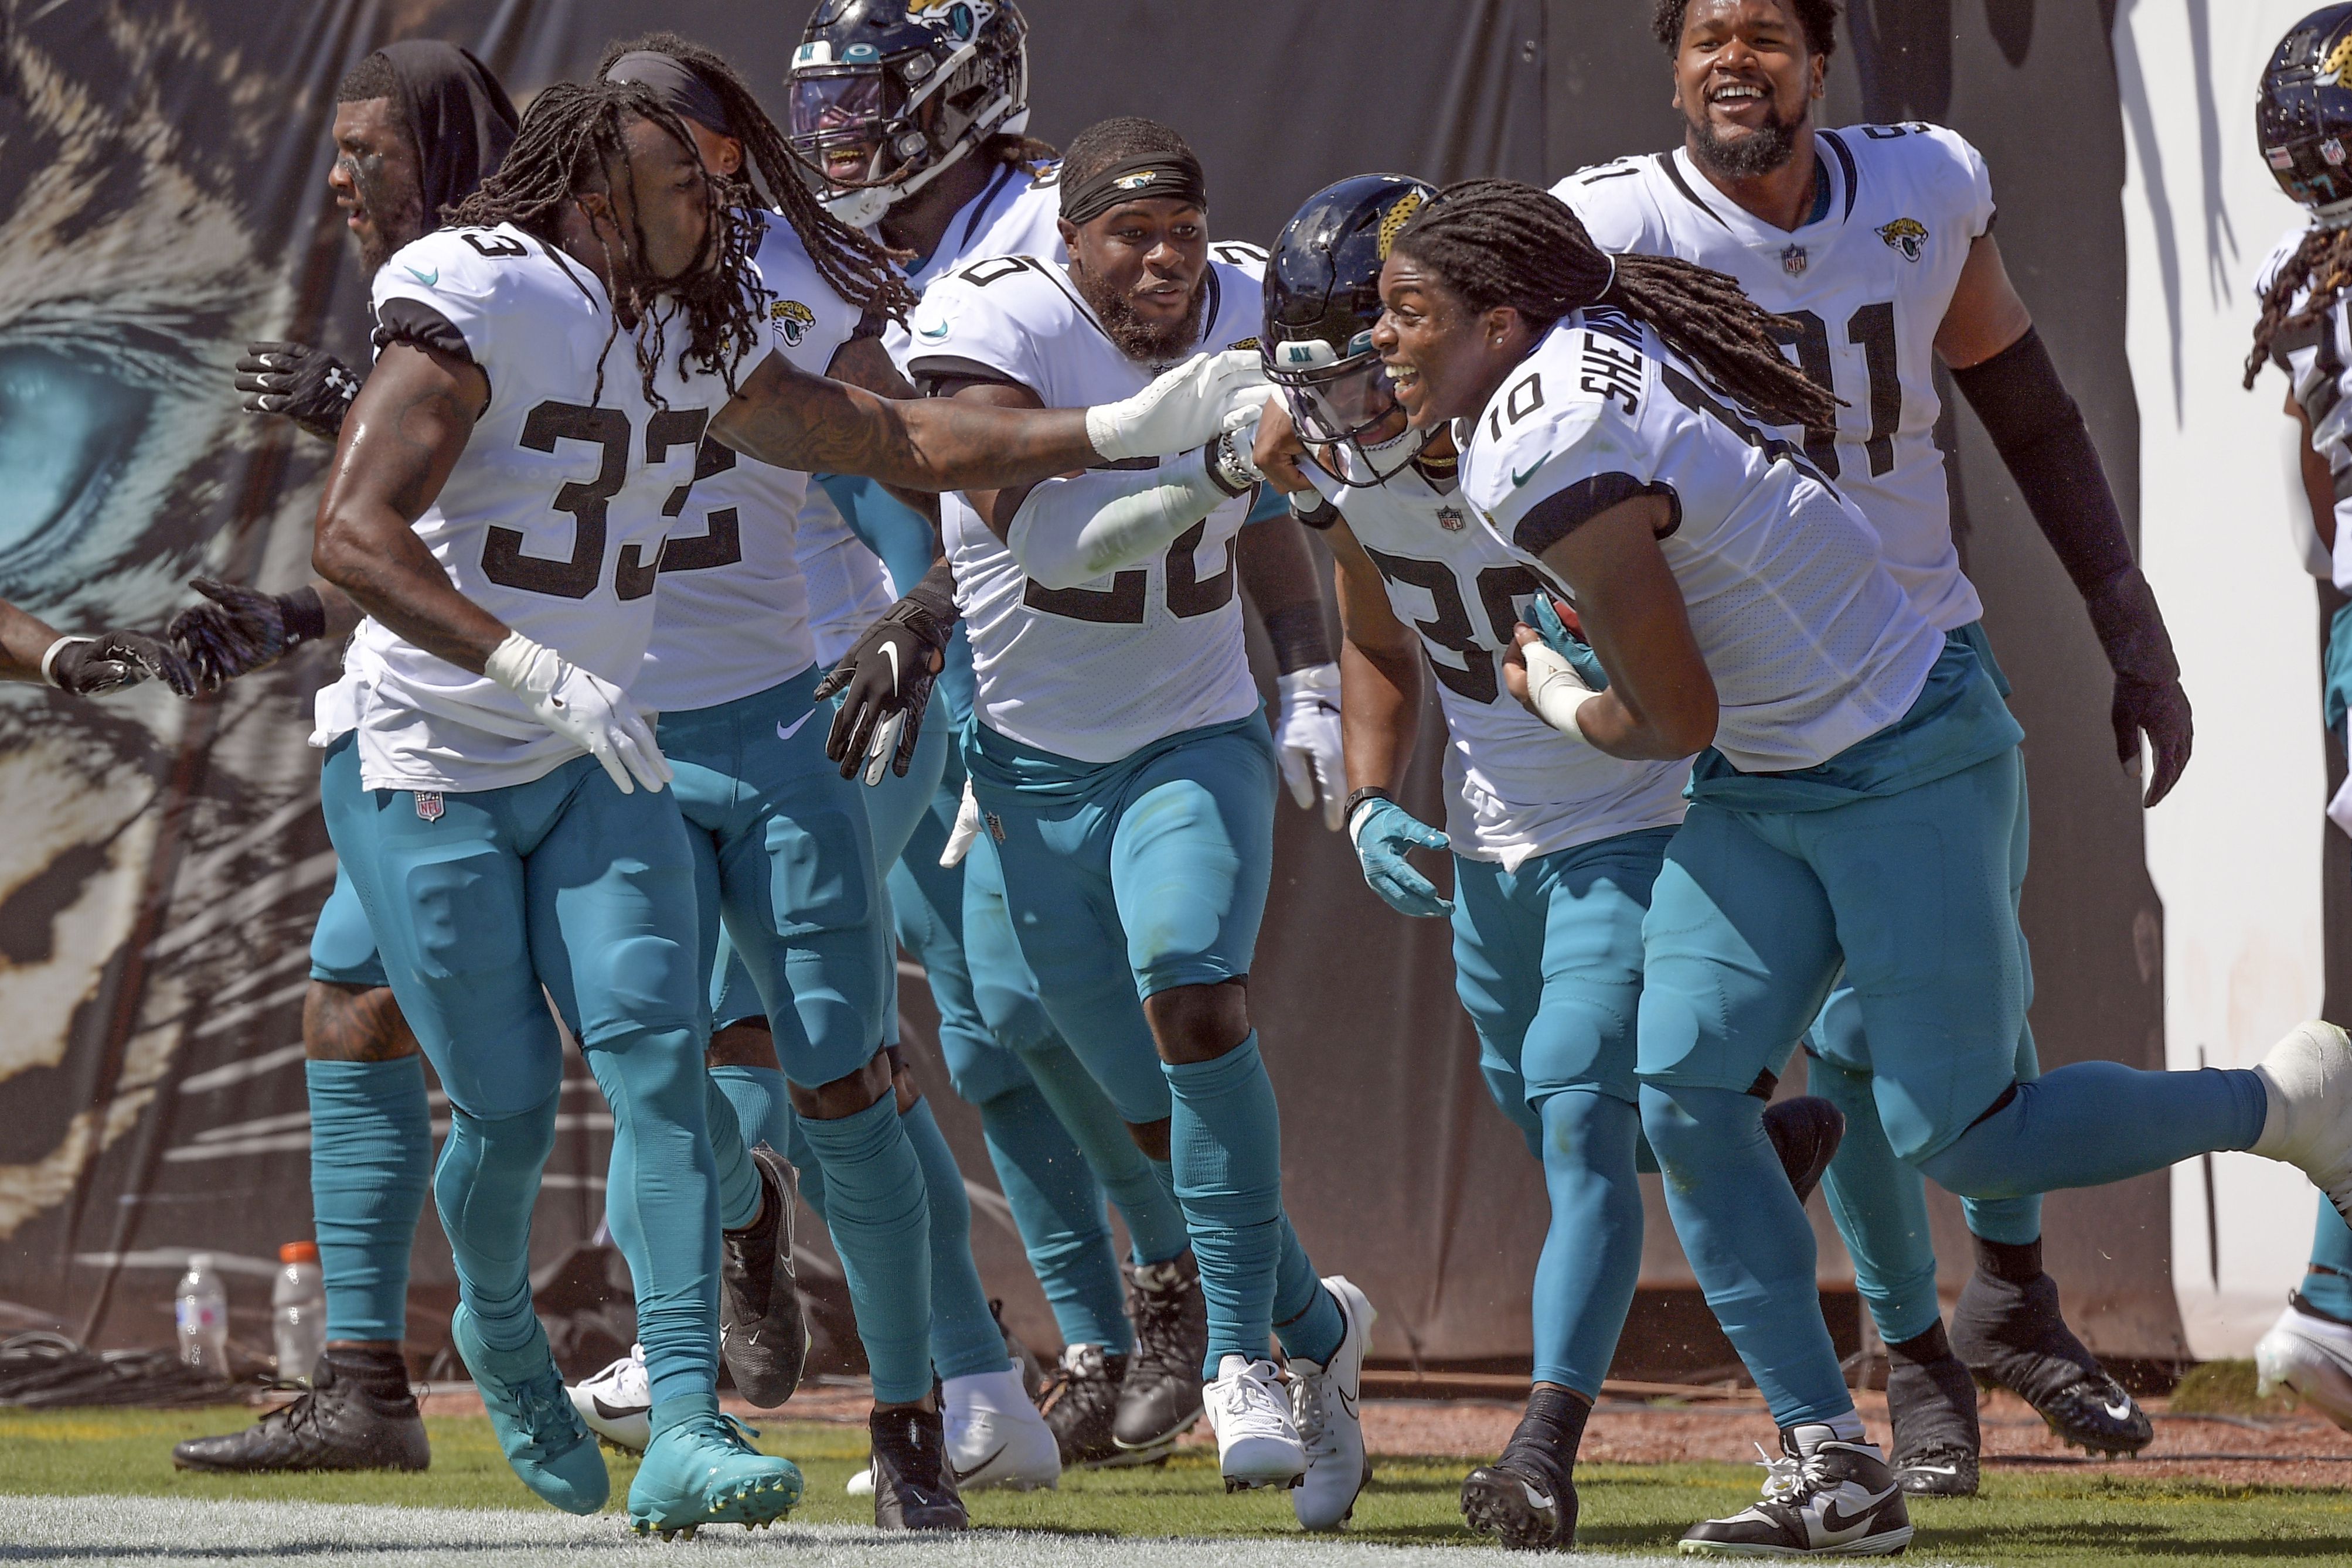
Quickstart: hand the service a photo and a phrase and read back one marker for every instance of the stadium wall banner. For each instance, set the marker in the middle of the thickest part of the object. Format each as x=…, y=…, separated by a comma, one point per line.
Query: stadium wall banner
x=163, y=201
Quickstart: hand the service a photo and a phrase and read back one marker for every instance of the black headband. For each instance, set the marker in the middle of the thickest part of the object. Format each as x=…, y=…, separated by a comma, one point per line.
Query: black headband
x=679, y=85
x=1147, y=176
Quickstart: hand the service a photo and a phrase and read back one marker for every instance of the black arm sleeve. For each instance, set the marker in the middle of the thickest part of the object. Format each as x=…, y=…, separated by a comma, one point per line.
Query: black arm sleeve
x=2039, y=434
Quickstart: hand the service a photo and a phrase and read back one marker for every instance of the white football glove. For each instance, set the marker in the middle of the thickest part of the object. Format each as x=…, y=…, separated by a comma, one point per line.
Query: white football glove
x=1308, y=737
x=587, y=710
x=1190, y=406
x=966, y=829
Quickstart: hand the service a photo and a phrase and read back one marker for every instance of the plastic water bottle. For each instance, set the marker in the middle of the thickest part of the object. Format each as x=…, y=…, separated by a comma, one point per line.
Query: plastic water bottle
x=203, y=1314
x=298, y=1310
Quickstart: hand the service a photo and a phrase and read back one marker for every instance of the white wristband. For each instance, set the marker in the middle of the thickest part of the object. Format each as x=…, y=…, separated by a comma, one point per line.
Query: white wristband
x=49, y=659
x=510, y=663
x=1555, y=690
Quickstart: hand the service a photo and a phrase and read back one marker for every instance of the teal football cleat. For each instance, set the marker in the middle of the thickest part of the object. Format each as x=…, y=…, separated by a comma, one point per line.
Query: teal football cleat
x=701, y=1468
x=545, y=1441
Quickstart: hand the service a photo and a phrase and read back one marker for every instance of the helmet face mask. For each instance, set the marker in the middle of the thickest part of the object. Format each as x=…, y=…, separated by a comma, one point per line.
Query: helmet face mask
x=1350, y=403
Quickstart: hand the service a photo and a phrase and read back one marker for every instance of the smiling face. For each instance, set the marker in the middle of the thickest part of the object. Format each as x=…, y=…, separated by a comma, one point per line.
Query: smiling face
x=376, y=180
x=1745, y=80
x=1444, y=358
x=1142, y=266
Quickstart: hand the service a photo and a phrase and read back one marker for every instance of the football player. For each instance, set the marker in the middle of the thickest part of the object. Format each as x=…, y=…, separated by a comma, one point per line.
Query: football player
x=1875, y=244
x=2305, y=109
x=1555, y=845
x=1848, y=754
x=33, y=651
x=514, y=828
x=1125, y=774
x=417, y=126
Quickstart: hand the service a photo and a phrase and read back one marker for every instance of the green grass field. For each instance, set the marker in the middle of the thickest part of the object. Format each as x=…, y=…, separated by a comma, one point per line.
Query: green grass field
x=2107, y=1515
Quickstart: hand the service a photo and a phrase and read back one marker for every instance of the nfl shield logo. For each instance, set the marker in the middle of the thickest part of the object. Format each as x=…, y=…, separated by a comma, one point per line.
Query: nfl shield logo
x=1793, y=260
x=428, y=805
x=1450, y=518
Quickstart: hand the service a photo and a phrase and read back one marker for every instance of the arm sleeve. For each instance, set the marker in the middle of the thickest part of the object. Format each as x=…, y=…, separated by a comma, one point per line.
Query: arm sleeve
x=2039, y=434
x=1071, y=531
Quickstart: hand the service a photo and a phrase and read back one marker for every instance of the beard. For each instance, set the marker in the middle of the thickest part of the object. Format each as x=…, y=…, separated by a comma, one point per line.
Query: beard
x=1138, y=339
x=390, y=227
x=1767, y=147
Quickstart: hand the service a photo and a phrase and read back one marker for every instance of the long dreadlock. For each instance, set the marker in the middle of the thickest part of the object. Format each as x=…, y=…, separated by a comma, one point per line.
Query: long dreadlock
x=2323, y=262
x=851, y=264
x=1498, y=242
x=572, y=143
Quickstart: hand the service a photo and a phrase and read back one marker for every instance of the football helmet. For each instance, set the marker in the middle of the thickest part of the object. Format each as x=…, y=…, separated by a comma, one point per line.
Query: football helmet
x=888, y=93
x=2302, y=115
x=1322, y=298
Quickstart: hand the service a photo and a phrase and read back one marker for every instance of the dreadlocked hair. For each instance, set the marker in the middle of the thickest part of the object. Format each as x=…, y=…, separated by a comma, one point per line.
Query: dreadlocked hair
x=1817, y=17
x=853, y=264
x=2323, y=262
x=572, y=143
x=1497, y=243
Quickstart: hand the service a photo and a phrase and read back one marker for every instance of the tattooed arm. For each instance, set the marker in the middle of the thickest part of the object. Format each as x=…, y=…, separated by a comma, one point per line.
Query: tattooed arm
x=865, y=363
x=403, y=436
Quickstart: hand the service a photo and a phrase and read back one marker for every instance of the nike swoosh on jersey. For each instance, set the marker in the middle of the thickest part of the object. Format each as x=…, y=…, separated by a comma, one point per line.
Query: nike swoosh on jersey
x=785, y=732
x=1518, y=479
x=935, y=336
x=1836, y=1523
x=617, y=1412
x=427, y=278
x=962, y=1476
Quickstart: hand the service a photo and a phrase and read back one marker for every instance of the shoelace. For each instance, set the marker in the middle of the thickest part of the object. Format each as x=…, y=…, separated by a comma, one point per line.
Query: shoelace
x=1790, y=1478
x=1159, y=1326
x=544, y=1408
x=1248, y=1395
x=1312, y=1413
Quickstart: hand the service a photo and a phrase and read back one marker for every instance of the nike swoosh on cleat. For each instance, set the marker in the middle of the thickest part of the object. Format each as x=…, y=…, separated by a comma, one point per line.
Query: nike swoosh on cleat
x=1933, y=1469
x=962, y=1476
x=1838, y=1524
x=1537, y=1498
x=2119, y=1411
x=784, y=732
x=617, y=1412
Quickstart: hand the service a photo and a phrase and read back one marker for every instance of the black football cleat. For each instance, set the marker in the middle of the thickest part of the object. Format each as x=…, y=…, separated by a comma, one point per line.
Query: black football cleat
x=1805, y=1132
x=1525, y=1500
x=2013, y=1336
x=1160, y=1397
x=1081, y=1401
x=913, y=1487
x=1825, y=1499
x=761, y=1333
x=1931, y=1401
x=359, y=1414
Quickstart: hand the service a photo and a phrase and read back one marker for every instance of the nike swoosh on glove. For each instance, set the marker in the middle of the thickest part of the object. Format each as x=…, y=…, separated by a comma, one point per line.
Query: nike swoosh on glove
x=110, y=661
x=585, y=710
x=1190, y=406
x=1307, y=737
x=307, y=385
x=885, y=681
x=1382, y=831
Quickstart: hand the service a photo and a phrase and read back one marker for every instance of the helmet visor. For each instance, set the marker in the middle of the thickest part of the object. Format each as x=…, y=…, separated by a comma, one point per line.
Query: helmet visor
x=842, y=122
x=1347, y=401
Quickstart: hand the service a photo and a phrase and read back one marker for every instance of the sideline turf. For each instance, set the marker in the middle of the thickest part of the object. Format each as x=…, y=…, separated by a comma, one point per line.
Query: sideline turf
x=2103, y=1517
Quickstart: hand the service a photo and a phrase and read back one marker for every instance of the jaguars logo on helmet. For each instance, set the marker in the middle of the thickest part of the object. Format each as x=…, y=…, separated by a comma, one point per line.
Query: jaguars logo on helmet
x=1322, y=297
x=2302, y=115
x=886, y=94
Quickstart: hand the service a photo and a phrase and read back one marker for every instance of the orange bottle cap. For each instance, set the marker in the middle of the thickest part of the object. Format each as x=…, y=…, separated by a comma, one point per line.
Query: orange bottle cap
x=299, y=1252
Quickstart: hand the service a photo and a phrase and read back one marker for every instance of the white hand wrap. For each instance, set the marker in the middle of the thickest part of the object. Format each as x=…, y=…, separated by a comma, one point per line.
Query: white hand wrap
x=585, y=710
x=1190, y=406
x=1555, y=689
x=49, y=659
x=1066, y=533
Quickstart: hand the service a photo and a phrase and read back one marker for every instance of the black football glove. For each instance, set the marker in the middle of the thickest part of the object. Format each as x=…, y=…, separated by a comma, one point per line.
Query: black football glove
x=307, y=385
x=885, y=679
x=110, y=661
x=243, y=629
x=2149, y=698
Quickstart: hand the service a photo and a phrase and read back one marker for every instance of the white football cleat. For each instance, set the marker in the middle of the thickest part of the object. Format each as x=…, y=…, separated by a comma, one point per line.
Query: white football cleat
x=2309, y=1123
x=1257, y=1442
x=1324, y=1405
x=861, y=1483
x=995, y=1436
x=2312, y=1355
x=617, y=1403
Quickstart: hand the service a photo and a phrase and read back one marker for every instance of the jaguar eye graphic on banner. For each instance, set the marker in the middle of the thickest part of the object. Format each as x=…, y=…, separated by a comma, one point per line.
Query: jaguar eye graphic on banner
x=164, y=202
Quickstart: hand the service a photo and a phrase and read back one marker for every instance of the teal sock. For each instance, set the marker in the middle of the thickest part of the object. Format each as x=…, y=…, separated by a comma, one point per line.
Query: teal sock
x=1591, y=1256
x=1879, y=1205
x=371, y=1161
x=2092, y=1122
x=1143, y=1189
x=763, y=1106
x=1306, y=1316
x=1057, y=1206
x=739, y=1178
x=662, y=1199
x=2013, y=1221
x=1225, y=1136
x=879, y=1215
x=2329, y=1286
x=483, y=1187
x=964, y=1336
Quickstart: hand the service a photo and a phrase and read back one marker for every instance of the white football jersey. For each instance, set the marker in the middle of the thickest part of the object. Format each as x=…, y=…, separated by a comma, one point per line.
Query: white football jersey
x=1096, y=671
x=1811, y=644
x=553, y=520
x=1868, y=286
x=732, y=615
x=2315, y=358
x=1514, y=786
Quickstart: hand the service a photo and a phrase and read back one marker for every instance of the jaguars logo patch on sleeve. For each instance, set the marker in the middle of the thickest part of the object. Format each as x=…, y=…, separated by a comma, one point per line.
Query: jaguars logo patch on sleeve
x=1908, y=235
x=794, y=320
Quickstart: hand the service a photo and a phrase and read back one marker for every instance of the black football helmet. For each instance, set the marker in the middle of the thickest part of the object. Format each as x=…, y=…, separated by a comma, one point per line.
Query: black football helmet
x=1322, y=297
x=888, y=93
x=2302, y=115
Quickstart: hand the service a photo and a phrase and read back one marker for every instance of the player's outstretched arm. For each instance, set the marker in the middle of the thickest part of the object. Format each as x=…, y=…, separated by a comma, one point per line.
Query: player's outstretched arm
x=33, y=651
x=2001, y=366
x=240, y=630
x=1380, y=712
x=795, y=420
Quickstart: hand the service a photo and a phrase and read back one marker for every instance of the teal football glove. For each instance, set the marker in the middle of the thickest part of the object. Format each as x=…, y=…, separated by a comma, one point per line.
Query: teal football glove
x=1383, y=831
x=1568, y=644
